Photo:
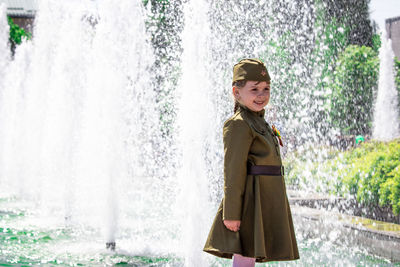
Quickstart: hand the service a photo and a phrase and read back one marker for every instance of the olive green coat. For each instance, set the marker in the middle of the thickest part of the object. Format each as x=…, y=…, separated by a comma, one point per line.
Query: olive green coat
x=258, y=201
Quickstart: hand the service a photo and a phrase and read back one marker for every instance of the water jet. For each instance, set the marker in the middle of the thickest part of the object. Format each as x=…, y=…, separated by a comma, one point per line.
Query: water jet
x=386, y=110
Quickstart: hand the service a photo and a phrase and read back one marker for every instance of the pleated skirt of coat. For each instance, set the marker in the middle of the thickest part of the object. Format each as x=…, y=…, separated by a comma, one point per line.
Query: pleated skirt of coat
x=266, y=231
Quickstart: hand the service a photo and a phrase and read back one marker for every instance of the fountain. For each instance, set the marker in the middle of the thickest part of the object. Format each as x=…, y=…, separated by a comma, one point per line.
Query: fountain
x=194, y=122
x=386, y=114
x=73, y=116
x=87, y=176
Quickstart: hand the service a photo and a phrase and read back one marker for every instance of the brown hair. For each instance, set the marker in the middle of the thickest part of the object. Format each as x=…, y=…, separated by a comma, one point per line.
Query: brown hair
x=238, y=84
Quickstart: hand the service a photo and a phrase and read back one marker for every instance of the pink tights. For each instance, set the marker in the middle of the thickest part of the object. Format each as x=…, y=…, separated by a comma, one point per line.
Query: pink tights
x=240, y=261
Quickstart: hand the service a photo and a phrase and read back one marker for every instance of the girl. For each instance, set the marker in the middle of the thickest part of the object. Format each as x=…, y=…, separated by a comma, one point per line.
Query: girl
x=253, y=222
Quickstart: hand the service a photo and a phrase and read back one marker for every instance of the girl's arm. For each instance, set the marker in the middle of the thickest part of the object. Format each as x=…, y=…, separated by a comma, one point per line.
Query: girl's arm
x=237, y=141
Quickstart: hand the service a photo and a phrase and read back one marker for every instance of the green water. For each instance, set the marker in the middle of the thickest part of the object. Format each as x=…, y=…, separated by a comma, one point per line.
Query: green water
x=26, y=244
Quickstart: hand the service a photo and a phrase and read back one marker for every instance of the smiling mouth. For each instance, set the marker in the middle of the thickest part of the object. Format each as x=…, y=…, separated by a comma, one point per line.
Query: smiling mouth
x=259, y=102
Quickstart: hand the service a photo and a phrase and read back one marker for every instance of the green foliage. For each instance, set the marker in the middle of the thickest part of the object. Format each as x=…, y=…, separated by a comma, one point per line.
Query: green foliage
x=17, y=33
x=370, y=173
x=376, y=42
x=338, y=26
x=354, y=15
x=373, y=174
x=397, y=77
x=355, y=80
x=331, y=40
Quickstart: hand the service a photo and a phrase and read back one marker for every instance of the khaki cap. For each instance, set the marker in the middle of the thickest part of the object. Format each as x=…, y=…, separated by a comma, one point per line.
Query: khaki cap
x=250, y=69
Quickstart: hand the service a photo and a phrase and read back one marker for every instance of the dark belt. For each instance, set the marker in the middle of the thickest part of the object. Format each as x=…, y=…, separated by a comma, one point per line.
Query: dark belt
x=272, y=170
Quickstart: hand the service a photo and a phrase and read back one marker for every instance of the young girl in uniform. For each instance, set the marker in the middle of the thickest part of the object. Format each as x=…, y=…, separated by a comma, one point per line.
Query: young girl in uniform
x=253, y=222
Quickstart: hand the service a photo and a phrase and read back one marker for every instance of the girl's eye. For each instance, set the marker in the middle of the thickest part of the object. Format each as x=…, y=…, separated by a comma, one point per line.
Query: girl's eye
x=266, y=88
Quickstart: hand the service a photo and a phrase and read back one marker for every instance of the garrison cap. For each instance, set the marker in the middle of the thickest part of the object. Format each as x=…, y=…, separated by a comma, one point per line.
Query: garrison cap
x=250, y=69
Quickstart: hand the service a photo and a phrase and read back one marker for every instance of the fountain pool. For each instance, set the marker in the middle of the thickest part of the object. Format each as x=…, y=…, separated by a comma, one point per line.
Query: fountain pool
x=29, y=238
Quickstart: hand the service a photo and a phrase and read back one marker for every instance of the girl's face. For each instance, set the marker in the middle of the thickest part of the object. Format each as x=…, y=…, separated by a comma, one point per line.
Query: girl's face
x=254, y=95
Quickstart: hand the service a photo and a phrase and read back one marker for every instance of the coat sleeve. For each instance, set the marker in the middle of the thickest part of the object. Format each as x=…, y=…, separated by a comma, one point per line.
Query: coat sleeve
x=238, y=138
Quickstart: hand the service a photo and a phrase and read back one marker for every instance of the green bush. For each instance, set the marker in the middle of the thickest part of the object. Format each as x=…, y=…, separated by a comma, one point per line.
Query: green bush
x=376, y=42
x=373, y=174
x=17, y=33
x=370, y=173
x=355, y=80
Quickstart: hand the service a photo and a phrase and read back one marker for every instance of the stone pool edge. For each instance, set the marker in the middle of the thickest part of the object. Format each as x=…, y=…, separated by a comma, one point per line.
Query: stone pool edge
x=348, y=230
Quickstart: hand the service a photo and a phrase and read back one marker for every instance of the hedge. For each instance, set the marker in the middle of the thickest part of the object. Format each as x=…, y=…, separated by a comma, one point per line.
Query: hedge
x=370, y=172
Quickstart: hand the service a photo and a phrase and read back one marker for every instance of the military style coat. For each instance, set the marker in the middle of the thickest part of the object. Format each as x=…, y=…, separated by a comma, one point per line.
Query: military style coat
x=258, y=201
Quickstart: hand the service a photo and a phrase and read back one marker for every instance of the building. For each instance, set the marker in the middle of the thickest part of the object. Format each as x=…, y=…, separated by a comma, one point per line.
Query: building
x=22, y=12
x=393, y=32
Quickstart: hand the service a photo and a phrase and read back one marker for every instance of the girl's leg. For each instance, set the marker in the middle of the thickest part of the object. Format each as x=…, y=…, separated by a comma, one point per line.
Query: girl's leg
x=240, y=261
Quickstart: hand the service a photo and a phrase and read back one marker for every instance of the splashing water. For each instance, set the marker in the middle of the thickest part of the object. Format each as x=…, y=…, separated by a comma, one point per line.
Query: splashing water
x=78, y=118
x=81, y=147
x=195, y=122
x=386, y=114
x=4, y=50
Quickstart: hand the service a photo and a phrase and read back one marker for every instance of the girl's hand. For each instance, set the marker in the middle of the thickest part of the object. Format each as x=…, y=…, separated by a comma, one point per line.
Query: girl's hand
x=232, y=225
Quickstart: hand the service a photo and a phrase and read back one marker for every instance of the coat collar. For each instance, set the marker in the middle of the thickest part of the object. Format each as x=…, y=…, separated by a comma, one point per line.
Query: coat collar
x=260, y=113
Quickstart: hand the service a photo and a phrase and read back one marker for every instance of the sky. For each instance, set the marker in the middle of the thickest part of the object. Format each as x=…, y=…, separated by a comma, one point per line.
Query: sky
x=384, y=9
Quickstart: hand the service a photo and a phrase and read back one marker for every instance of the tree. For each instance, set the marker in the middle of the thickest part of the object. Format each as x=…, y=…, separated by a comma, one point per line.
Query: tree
x=355, y=80
x=355, y=15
